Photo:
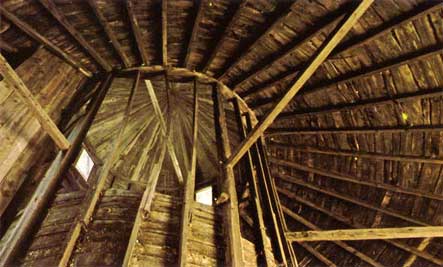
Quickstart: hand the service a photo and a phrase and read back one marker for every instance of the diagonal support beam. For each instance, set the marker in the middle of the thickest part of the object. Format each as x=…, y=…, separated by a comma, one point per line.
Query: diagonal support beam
x=136, y=30
x=321, y=56
x=366, y=234
x=114, y=41
x=52, y=8
x=14, y=81
x=164, y=130
x=44, y=41
x=192, y=40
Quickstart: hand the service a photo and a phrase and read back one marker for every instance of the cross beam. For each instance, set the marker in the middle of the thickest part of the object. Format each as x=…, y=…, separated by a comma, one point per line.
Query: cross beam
x=366, y=234
x=321, y=56
x=14, y=81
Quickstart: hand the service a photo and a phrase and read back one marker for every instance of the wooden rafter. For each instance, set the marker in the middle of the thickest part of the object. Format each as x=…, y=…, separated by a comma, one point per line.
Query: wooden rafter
x=321, y=56
x=362, y=130
x=189, y=190
x=341, y=244
x=52, y=8
x=336, y=195
x=195, y=28
x=164, y=130
x=422, y=246
x=13, y=80
x=225, y=33
x=44, y=41
x=367, y=234
x=109, y=32
x=136, y=31
x=347, y=178
x=165, y=32
x=359, y=154
x=352, y=223
x=317, y=254
x=112, y=157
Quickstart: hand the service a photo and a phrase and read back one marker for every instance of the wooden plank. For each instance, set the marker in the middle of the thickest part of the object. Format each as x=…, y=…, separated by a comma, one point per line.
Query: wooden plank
x=165, y=32
x=44, y=41
x=321, y=56
x=341, y=244
x=366, y=234
x=17, y=85
x=422, y=246
x=136, y=31
x=52, y=8
x=164, y=130
x=318, y=255
x=347, y=178
x=231, y=220
x=188, y=203
x=47, y=186
x=101, y=180
x=195, y=28
x=114, y=41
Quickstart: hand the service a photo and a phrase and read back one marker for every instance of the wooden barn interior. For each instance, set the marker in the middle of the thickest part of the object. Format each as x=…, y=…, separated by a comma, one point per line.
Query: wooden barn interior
x=221, y=133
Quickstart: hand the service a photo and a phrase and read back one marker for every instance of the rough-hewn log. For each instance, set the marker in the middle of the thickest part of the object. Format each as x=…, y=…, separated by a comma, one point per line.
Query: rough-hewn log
x=44, y=41
x=115, y=151
x=380, y=130
x=189, y=189
x=263, y=257
x=136, y=31
x=231, y=225
x=193, y=39
x=49, y=182
x=360, y=203
x=52, y=8
x=14, y=81
x=322, y=54
x=341, y=244
x=164, y=130
x=366, y=234
x=347, y=178
x=351, y=223
x=112, y=37
x=165, y=32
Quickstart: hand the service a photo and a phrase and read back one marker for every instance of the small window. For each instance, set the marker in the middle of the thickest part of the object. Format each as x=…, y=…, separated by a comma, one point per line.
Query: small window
x=84, y=164
x=204, y=196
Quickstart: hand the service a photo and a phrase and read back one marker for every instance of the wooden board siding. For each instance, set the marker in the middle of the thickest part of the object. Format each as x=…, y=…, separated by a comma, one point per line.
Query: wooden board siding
x=22, y=137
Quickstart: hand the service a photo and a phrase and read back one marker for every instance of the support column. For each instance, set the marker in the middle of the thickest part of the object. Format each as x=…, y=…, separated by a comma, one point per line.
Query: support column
x=48, y=185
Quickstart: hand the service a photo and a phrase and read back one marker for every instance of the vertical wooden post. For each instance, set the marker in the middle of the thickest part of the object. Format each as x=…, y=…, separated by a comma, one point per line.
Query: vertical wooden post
x=53, y=176
x=188, y=201
x=231, y=224
x=264, y=259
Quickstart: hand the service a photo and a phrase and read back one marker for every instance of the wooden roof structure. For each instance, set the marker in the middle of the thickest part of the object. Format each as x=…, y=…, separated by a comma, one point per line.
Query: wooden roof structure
x=347, y=95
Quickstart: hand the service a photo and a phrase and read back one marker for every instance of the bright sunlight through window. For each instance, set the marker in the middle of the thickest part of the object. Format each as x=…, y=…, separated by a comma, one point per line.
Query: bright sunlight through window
x=204, y=196
x=84, y=164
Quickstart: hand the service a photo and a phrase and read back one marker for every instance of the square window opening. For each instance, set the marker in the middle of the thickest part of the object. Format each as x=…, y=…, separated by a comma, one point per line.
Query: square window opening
x=84, y=164
x=204, y=196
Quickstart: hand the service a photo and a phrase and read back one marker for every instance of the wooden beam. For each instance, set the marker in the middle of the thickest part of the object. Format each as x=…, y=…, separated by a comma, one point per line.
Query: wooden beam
x=189, y=189
x=225, y=33
x=341, y=244
x=164, y=130
x=26, y=28
x=18, y=86
x=358, y=154
x=382, y=130
x=336, y=195
x=165, y=32
x=317, y=254
x=263, y=257
x=351, y=77
x=52, y=8
x=366, y=234
x=321, y=56
x=347, y=178
x=422, y=246
x=193, y=39
x=231, y=220
x=112, y=37
x=48, y=185
x=352, y=223
x=112, y=157
x=137, y=33
x=368, y=103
